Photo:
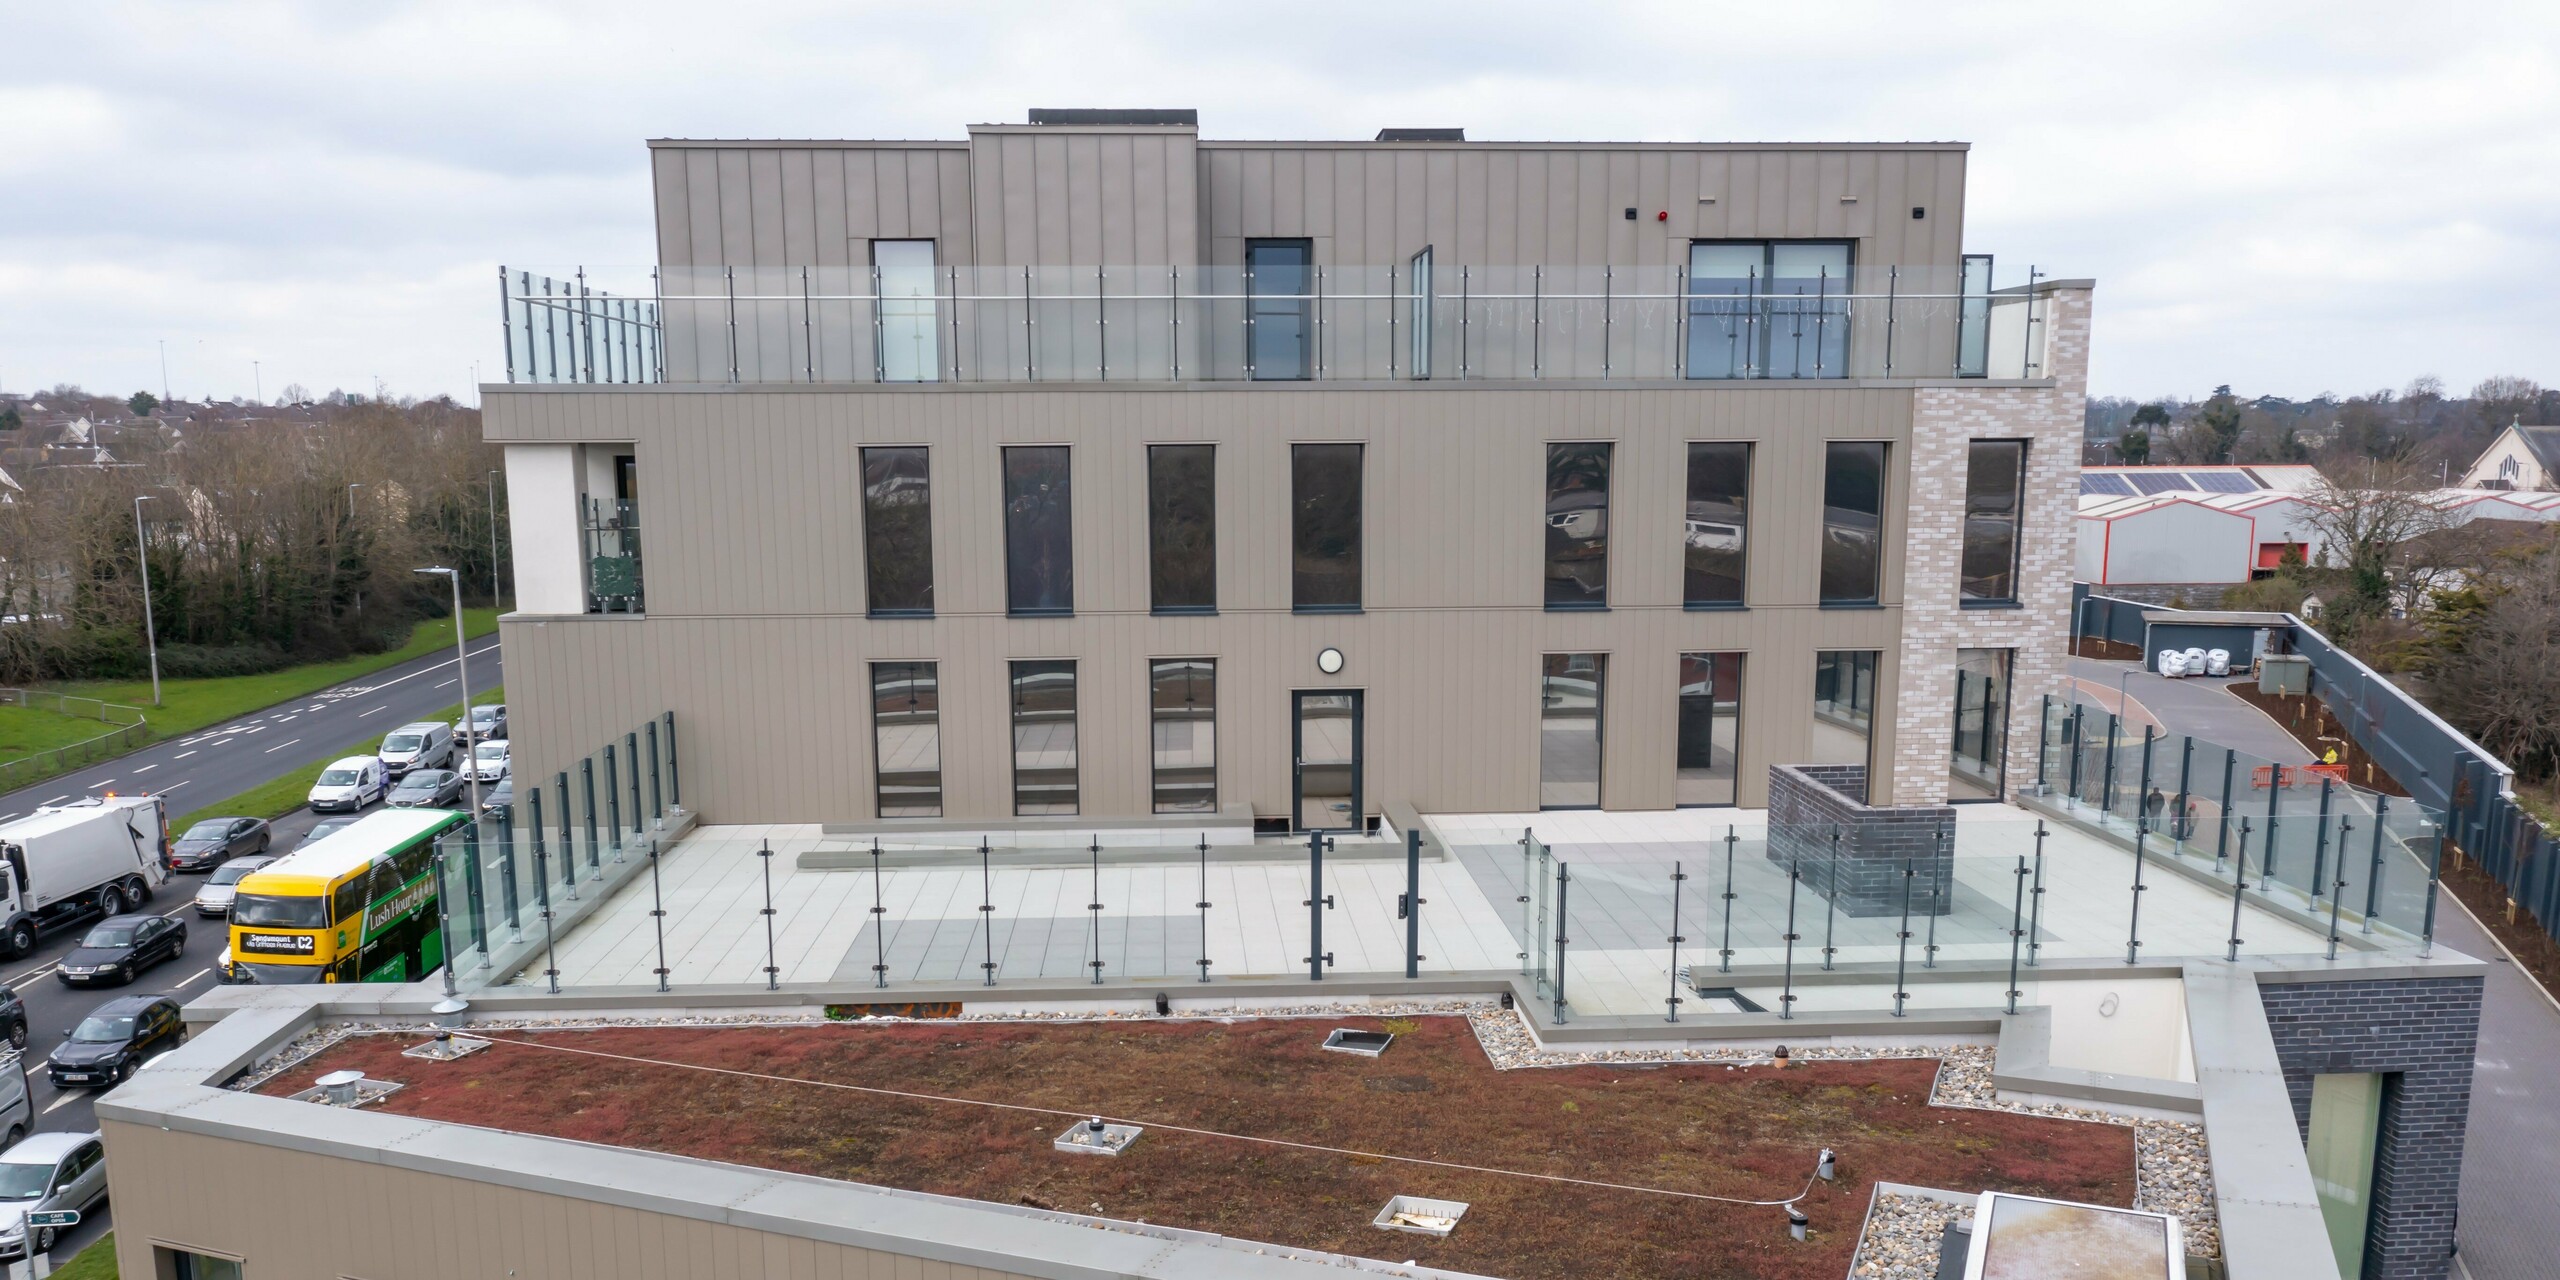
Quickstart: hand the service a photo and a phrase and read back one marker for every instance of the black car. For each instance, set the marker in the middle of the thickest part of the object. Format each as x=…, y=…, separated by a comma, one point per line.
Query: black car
x=499, y=801
x=13, y=1018
x=119, y=948
x=114, y=1039
x=426, y=789
x=210, y=843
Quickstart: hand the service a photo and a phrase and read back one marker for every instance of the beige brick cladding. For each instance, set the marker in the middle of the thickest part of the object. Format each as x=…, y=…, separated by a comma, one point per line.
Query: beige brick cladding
x=1944, y=421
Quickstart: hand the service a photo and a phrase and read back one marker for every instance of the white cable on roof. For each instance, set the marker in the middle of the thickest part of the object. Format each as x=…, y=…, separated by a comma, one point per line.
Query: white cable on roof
x=1154, y=1124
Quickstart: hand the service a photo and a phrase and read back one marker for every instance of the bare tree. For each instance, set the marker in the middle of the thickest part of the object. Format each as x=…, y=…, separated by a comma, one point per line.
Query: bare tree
x=2361, y=528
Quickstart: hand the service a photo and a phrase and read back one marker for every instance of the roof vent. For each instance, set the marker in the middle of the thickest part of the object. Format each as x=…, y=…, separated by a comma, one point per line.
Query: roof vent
x=1185, y=117
x=1422, y=135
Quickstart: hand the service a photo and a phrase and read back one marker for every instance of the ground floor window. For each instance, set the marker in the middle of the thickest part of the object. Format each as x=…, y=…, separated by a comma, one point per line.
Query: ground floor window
x=1710, y=728
x=1044, y=738
x=906, y=730
x=1183, y=693
x=1572, y=688
x=1982, y=724
x=2346, y=1127
x=183, y=1265
x=1844, y=705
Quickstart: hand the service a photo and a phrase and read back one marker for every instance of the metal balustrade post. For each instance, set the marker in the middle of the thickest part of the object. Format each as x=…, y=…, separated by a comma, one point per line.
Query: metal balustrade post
x=1673, y=1003
x=2035, y=902
x=1317, y=903
x=675, y=779
x=2373, y=873
x=475, y=902
x=1902, y=942
x=542, y=895
x=2178, y=831
x=2239, y=888
x=2435, y=877
x=1724, y=956
x=2071, y=791
x=808, y=330
x=1831, y=898
x=2222, y=823
x=1941, y=860
x=1466, y=301
x=2338, y=891
x=2320, y=843
x=586, y=343
x=1030, y=340
x=658, y=914
x=2267, y=849
x=2044, y=710
x=444, y=921
x=1411, y=908
x=568, y=835
x=1564, y=887
x=612, y=803
x=631, y=745
x=657, y=805
x=507, y=894
x=772, y=966
x=987, y=908
x=1892, y=287
x=729, y=282
x=1203, y=906
x=1608, y=287
x=507, y=322
x=2107, y=771
x=1094, y=907
x=2017, y=923
x=1528, y=930
x=1537, y=322
x=2133, y=927
x=879, y=922
x=1787, y=988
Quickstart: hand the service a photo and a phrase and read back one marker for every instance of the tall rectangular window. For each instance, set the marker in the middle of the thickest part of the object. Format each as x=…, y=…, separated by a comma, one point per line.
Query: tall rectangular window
x=2345, y=1132
x=1182, y=527
x=1572, y=690
x=897, y=530
x=1716, y=527
x=1183, y=700
x=1039, y=537
x=1279, y=307
x=910, y=348
x=1982, y=724
x=1419, y=282
x=906, y=733
x=1852, y=522
x=1769, y=309
x=1324, y=536
x=1994, y=480
x=1577, y=518
x=1044, y=738
x=1710, y=731
x=1844, y=705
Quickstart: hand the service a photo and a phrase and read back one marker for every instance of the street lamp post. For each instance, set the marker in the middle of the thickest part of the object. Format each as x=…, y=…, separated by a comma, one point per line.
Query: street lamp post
x=462, y=666
x=142, y=563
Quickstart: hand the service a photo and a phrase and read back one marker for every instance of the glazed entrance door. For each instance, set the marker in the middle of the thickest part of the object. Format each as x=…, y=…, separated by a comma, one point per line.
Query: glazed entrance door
x=1325, y=743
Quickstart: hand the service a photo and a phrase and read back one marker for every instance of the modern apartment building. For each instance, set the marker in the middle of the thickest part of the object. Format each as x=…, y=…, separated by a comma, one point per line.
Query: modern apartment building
x=1090, y=471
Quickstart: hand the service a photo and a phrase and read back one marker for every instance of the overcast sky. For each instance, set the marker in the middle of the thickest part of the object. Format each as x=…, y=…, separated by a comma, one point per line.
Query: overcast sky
x=2290, y=198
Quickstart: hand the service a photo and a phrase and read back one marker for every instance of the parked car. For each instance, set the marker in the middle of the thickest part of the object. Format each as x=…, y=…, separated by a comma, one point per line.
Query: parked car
x=17, y=1101
x=427, y=744
x=489, y=761
x=119, y=948
x=324, y=828
x=13, y=1019
x=348, y=786
x=426, y=789
x=116, y=1037
x=500, y=800
x=485, y=722
x=214, y=841
x=214, y=897
x=44, y=1174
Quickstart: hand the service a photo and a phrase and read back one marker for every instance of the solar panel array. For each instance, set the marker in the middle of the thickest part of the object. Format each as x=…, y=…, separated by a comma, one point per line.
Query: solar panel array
x=2126, y=484
x=2222, y=482
x=2160, y=481
x=2104, y=483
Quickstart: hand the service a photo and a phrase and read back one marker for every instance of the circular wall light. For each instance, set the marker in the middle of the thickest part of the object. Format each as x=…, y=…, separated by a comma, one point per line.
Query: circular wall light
x=1329, y=661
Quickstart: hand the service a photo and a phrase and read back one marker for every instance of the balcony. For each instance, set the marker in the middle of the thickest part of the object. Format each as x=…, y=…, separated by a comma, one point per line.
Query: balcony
x=985, y=324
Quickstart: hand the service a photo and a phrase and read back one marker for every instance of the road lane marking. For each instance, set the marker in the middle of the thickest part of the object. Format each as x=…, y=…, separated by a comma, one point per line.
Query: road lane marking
x=175, y=785
x=57, y=800
x=448, y=682
x=282, y=719
x=362, y=714
x=279, y=746
x=56, y=1104
x=102, y=782
x=146, y=768
x=27, y=979
x=193, y=976
x=180, y=756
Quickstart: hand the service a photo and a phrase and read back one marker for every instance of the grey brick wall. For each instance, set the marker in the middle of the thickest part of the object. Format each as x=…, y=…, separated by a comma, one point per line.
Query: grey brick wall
x=2420, y=1034
x=1865, y=876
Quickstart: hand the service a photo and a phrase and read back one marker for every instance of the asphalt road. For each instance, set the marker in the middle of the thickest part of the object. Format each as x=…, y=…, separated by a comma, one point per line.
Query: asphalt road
x=198, y=770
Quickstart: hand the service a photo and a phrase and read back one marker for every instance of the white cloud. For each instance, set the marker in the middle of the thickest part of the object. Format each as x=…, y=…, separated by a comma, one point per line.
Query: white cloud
x=2286, y=197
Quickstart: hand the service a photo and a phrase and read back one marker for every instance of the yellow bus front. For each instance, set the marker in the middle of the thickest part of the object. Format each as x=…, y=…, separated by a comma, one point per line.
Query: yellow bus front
x=282, y=930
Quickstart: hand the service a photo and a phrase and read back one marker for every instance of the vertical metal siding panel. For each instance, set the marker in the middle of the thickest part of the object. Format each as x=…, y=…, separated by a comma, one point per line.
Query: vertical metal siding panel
x=702, y=194
x=1826, y=182
x=1222, y=170
x=1142, y=236
x=799, y=209
x=1288, y=193
x=1183, y=208
x=831, y=226
x=1621, y=168
x=1022, y=204
x=1082, y=211
x=1382, y=230
x=1502, y=210
x=1946, y=217
x=1470, y=191
x=1253, y=193
x=924, y=193
x=1652, y=194
x=763, y=207
x=861, y=205
x=675, y=228
x=1354, y=238
x=1440, y=213
x=1680, y=200
x=958, y=215
x=1591, y=209
x=889, y=177
x=1715, y=180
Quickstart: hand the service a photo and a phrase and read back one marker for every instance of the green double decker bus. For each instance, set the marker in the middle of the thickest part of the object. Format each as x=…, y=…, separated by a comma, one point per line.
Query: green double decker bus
x=358, y=905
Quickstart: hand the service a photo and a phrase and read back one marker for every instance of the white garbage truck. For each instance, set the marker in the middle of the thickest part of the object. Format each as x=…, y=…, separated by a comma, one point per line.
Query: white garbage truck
x=66, y=865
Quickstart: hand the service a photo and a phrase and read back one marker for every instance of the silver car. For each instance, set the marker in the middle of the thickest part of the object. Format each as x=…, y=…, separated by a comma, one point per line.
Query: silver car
x=47, y=1172
x=213, y=897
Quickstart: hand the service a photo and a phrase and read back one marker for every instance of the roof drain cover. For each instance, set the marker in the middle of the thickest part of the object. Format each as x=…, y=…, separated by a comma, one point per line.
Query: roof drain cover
x=1095, y=1138
x=445, y=1047
x=1368, y=1044
x=1421, y=1217
x=346, y=1089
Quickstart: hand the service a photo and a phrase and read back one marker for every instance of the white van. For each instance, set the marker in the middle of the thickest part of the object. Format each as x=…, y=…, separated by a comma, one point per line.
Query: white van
x=427, y=744
x=17, y=1107
x=348, y=785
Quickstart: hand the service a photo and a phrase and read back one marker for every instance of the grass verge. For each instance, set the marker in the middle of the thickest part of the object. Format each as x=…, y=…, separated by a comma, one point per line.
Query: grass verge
x=97, y=1262
x=286, y=794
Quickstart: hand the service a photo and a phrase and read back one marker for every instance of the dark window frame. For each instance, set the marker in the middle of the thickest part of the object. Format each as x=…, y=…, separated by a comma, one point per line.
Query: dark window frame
x=1024, y=526
x=1559, y=551
x=1019, y=714
x=1159, y=503
x=1689, y=513
x=875, y=540
x=1599, y=667
x=1763, y=316
x=1873, y=597
x=2016, y=526
x=1301, y=536
x=879, y=759
x=1159, y=672
x=1256, y=305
